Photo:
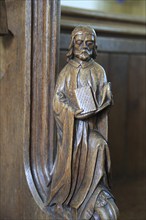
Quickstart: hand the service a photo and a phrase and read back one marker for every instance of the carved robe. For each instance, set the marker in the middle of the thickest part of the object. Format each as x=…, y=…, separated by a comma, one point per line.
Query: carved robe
x=82, y=163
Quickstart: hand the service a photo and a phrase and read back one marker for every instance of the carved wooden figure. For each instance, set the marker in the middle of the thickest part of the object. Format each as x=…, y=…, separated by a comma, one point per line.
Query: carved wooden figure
x=79, y=186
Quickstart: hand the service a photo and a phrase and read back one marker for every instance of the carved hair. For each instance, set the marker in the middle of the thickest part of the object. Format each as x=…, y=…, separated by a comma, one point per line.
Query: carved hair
x=78, y=30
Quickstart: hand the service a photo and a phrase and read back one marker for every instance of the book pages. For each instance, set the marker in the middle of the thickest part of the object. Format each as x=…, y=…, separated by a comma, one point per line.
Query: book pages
x=85, y=99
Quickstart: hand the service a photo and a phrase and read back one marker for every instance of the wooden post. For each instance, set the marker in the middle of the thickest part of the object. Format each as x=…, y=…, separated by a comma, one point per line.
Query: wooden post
x=38, y=156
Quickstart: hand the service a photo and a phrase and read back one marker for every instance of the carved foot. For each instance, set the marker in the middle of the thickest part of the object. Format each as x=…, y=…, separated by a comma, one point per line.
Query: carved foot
x=105, y=207
x=60, y=212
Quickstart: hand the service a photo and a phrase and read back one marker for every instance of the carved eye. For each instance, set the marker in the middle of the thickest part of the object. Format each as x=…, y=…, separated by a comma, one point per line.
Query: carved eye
x=90, y=43
x=79, y=42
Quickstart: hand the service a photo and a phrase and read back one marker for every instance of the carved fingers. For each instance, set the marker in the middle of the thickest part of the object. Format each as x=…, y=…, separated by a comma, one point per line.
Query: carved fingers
x=79, y=111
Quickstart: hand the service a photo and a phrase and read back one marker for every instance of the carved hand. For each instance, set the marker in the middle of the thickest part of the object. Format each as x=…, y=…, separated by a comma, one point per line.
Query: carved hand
x=84, y=116
x=78, y=112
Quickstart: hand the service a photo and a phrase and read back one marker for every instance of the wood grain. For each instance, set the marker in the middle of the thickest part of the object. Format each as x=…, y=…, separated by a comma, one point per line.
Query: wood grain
x=39, y=156
x=136, y=115
x=3, y=19
x=118, y=75
x=104, y=23
x=16, y=201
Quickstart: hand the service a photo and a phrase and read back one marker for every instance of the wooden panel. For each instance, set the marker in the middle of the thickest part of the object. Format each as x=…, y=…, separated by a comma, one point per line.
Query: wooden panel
x=13, y=188
x=118, y=75
x=16, y=201
x=131, y=198
x=127, y=127
x=136, y=119
x=105, y=23
x=3, y=18
x=38, y=156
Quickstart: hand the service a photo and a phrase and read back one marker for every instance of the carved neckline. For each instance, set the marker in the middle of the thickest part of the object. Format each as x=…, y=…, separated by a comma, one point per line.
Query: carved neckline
x=83, y=64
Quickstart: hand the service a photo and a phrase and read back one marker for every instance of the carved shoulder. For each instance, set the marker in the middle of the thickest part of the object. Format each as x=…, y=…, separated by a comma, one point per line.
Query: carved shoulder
x=101, y=73
x=61, y=78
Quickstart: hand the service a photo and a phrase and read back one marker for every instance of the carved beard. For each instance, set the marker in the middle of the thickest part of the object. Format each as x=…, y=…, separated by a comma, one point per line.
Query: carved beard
x=84, y=55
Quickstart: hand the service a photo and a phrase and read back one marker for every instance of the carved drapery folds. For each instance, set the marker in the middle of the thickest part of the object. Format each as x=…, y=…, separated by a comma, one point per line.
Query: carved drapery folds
x=69, y=179
x=79, y=187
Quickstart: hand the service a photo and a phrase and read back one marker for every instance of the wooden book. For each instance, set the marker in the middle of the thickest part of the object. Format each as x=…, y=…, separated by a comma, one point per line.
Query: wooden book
x=85, y=99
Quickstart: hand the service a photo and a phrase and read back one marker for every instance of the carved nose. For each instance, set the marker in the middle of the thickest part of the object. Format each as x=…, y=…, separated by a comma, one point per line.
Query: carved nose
x=84, y=45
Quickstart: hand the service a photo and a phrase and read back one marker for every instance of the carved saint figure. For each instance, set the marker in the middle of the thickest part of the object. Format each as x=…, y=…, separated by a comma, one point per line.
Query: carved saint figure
x=80, y=177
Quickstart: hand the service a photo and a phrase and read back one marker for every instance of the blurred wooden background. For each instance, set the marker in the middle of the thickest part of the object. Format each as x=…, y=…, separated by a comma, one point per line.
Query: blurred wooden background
x=126, y=7
x=122, y=47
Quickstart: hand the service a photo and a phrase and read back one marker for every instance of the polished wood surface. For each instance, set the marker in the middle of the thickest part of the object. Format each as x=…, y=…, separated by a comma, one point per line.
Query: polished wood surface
x=127, y=126
x=131, y=198
x=44, y=47
x=17, y=55
x=3, y=18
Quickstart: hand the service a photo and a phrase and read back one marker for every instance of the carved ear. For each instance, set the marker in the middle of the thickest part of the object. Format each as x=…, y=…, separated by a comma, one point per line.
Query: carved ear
x=70, y=50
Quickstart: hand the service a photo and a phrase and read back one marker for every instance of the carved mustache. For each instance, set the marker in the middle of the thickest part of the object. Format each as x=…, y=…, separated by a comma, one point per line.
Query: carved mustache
x=83, y=51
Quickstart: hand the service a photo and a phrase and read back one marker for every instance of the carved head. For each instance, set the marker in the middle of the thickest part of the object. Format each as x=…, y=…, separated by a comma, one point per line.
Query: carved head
x=83, y=43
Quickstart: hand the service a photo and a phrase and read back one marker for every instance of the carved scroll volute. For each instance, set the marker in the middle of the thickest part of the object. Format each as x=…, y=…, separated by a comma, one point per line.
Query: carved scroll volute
x=38, y=156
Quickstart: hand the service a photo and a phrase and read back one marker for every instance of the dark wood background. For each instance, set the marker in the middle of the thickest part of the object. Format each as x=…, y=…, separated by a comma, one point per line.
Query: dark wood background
x=121, y=45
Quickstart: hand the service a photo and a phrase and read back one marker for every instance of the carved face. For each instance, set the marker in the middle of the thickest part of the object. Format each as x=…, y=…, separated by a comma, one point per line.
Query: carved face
x=83, y=46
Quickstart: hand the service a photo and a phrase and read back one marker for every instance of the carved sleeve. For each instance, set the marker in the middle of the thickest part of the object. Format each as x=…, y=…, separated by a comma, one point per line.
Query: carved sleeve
x=103, y=93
